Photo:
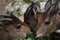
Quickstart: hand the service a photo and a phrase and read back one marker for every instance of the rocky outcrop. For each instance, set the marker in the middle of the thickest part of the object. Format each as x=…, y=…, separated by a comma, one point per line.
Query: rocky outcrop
x=3, y=4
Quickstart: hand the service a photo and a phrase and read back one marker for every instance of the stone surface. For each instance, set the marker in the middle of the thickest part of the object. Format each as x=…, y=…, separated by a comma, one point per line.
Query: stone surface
x=3, y=4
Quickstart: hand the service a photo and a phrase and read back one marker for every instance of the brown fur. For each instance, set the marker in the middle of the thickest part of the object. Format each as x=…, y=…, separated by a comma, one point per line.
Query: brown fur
x=41, y=31
x=10, y=32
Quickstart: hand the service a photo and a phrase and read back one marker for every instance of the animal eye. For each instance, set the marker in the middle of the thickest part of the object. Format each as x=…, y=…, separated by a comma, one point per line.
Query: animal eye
x=18, y=27
x=47, y=23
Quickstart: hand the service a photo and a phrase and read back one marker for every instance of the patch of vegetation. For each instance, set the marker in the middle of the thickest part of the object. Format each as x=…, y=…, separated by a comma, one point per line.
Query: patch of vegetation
x=30, y=37
x=27, y=1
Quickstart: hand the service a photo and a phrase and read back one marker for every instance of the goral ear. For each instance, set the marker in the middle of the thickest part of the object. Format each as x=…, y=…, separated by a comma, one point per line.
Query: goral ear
x=24, y=29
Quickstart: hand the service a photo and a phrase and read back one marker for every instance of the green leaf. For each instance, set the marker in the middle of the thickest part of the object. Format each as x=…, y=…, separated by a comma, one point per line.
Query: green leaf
x=30, y=37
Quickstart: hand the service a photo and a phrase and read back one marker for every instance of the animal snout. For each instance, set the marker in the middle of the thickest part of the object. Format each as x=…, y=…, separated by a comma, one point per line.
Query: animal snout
x=47, y=23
